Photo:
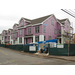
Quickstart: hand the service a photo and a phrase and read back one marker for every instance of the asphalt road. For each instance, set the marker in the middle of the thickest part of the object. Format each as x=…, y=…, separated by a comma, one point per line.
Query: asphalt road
x=12, y=57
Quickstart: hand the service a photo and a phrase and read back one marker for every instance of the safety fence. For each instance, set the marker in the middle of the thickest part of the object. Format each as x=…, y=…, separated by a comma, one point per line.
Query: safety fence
x=67, y=50
x=25, y=48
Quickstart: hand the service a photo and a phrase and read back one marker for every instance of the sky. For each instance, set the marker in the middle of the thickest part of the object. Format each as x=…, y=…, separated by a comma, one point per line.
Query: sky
x=11, y=11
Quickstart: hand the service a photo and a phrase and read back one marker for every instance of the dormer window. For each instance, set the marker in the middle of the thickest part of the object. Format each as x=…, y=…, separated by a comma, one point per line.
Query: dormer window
x=9, y=32
x=22, y=23
x=67, y=25
x=52, y=22
x=14, y=28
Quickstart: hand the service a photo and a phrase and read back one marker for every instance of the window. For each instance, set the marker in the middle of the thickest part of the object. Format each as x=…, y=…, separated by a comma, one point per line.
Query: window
x=13, y=41
x=44, y=29
x=67, y=25
x=52, y=22
x=29, y=30
x=8, y=37
x=59, y=31
x=37, y=39
x=44, y=38
x=14, y=35
x=9, y=32
x=15, y=28
x=37, y=29
x=2, y=38
x=20, y=32
x=5, y=37
x=26, y=40
x=55, y=31
x=49, y=37
x=22, y=23
x=20, y=40
x=11, y=36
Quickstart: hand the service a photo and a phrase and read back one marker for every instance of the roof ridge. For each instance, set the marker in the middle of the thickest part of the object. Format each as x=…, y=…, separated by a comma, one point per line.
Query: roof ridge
x=42, y=17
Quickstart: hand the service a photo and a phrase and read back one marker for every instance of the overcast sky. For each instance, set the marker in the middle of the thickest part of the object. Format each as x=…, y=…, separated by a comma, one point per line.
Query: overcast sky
x=11, y=11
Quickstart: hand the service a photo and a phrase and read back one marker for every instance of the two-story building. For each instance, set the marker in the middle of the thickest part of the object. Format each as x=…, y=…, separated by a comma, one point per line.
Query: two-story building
x=6, y=36
x=40, y=29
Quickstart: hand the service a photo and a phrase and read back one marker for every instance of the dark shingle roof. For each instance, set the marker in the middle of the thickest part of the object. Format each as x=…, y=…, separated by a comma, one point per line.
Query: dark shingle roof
x=38, y=20
x=62, y=21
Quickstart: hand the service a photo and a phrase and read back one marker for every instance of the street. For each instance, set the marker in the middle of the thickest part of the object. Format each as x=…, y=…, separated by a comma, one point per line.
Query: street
x=12, y=57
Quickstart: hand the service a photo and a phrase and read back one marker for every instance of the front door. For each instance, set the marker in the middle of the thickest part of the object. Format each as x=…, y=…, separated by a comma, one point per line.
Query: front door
x=26, y=40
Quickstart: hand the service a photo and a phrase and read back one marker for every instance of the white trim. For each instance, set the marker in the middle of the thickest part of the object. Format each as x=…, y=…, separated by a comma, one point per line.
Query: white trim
x=68, y=20
x=29, y=25
x=41, y=37
x=47, y=18
x=24, y=20
x=36, y=24
x=33, y=38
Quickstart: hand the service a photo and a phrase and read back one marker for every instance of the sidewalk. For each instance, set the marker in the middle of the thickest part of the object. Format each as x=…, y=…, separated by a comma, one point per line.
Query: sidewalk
x=68, y=58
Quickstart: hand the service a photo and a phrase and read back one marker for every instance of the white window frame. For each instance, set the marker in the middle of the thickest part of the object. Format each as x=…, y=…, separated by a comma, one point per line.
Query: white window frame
x=59, y=31
x=49, y=37
x=14, y=35
x=37, y=29
x=9, y=32
x=13, y=41
x=22, y=23
x=36, y=38
x=44, y=29
x=52, y=22
x=15, y=27
x=20, y=40
x=67, y=25
x=9, y=37
x=20, y=32
x=29, y=30
x=44, y=38
x=55, y=31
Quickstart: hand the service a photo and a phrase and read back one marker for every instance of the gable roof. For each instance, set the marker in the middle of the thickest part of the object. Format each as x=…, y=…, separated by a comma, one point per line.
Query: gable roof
x=15, y=24
x=62, y=21
x=36, y=21
x=42, y=19
x=10, y=29
x=39, y=20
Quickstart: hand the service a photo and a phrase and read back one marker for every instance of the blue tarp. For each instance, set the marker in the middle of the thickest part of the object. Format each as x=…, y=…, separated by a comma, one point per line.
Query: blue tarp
x=54, y=40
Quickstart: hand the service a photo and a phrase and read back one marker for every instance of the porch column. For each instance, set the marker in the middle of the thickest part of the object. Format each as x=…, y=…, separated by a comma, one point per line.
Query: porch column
x=33, y=38
x=62, y=32
x=22, y=40
x=18, y=40
x=62, y=39
x=58, y=41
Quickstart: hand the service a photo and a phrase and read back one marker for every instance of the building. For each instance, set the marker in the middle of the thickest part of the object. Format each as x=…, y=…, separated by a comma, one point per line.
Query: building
x=0, y=38
x=41, y=29
x=7, y=36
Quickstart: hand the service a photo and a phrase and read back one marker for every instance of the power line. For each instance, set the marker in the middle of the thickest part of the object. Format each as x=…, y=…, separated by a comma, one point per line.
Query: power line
x=72, y=11
x=68, y=12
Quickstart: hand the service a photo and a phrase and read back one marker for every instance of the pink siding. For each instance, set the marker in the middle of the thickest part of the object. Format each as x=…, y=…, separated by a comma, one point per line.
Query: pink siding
x=40, y=33
x=22, y=33
x=25, y=23
x=15, y=36
x=29, y=40
x=50, y=28
x=14, y=27
x=67, y=28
